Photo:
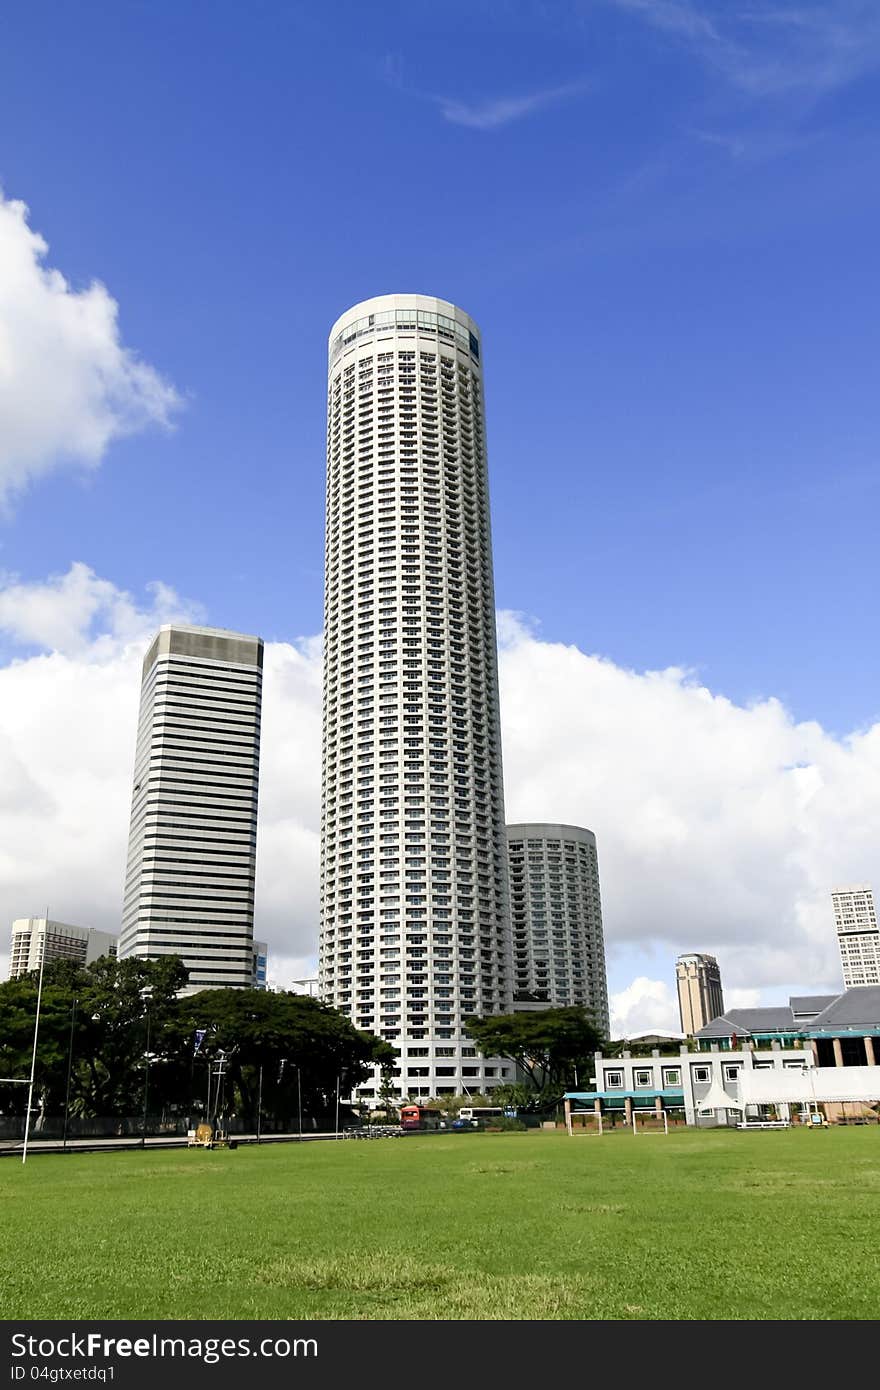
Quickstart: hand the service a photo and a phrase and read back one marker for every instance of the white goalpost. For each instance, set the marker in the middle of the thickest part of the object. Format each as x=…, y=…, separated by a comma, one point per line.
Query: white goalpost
x=582, y=1129
x=648, y=1122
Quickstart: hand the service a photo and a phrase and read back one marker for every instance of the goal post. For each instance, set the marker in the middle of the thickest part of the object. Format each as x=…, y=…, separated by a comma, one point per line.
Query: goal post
x=650, y=1122
x=581, y=1122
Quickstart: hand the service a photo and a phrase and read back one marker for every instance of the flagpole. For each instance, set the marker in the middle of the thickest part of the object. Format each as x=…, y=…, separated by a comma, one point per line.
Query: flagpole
x=27, y=1119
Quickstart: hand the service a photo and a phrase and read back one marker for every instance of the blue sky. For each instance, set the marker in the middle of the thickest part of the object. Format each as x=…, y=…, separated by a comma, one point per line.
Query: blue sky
x=664, y=216
x=676, y=279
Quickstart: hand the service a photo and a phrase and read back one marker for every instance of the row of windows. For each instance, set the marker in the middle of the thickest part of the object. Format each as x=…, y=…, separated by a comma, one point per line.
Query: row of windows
x=643, y=1078
x=409, y=321
x=409, y=492
x=378, y=517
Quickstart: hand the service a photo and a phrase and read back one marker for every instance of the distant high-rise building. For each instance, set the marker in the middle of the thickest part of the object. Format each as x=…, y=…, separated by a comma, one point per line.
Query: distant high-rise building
x=189, y=887
x=34, y=937
x=261, y=958
x=556, y=917
x=415, y=935
x=699, y=991
x=858, y=936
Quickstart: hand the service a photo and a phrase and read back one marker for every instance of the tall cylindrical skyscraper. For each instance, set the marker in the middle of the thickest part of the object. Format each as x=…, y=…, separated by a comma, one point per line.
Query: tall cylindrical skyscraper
x=556, y=915
x=414, y=927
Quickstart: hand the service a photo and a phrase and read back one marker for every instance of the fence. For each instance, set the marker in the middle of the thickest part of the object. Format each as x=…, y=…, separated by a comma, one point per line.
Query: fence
x=157, y=1126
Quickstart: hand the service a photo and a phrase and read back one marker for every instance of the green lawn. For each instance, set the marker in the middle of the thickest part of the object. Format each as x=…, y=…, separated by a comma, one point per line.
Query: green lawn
x=697, y=1225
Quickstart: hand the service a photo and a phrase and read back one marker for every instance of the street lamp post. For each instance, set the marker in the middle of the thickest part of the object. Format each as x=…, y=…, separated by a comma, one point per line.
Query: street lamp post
x=220, y=1068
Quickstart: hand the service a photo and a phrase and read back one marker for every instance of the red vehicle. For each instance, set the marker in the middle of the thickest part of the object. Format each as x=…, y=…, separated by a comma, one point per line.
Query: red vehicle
x=418, y=1117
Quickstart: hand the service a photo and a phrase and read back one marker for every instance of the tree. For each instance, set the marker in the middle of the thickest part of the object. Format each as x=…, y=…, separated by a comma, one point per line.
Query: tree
x=387, y=1098
x=303, y=1047
x=523, y=1096
x=107, y=1041
x=123, y=1004
x=452, y=1104
x=549, y=1046
x=18, y=1006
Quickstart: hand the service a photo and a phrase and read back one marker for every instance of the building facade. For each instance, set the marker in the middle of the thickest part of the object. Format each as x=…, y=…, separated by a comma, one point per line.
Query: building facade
x=261, y=964
x=700, y=999
x=753, y=1085
x=842, y=1030
x=189, y=887
x=556, y=917
x=36, y=937
x=415, y=935
x=705, y=1089
x=858, y=936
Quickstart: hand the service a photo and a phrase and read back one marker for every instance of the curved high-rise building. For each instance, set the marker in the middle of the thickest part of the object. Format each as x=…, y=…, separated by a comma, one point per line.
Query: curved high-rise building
x=414, y=929
x=556, y=914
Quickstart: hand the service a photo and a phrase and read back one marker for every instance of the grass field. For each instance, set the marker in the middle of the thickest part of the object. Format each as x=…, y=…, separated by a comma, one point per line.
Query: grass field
x=699, y=1225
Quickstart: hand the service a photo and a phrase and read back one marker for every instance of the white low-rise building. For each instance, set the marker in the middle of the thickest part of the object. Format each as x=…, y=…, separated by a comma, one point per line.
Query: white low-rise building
x=704, y=1088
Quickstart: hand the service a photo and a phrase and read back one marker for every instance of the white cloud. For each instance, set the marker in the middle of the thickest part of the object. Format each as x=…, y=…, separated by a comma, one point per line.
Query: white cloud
x=68, y=719
x=675, y=16
x=719, y=827
x=489, y=113
x=642, y=1005
x=501, y=111
x=771, y=51
x=288, y=845
x=68, y=386
x=73, y=612
x=742, y=998
x=653, y=1004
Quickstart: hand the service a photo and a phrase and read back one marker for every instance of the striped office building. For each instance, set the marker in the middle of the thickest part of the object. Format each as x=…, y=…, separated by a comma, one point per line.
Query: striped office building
x=189, y=887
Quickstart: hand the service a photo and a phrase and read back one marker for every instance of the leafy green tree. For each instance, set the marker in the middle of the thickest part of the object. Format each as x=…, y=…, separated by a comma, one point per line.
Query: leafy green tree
x=387, y=1099
x=452, y=1104
x=98, y=1016
x=303, y=1046
x=18, y=1004
x=127, y=1012
x=116, y=1012
x=548, y=1045
x=524, y=1097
